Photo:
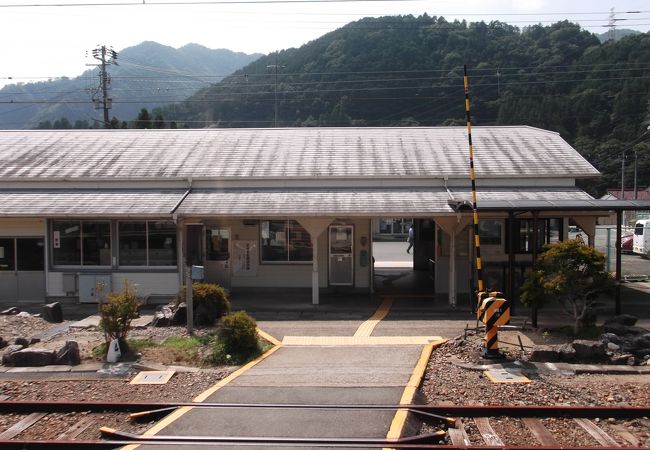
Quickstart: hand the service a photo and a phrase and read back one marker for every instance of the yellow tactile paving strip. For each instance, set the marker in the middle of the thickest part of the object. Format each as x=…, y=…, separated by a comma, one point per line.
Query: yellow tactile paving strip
x=399, y=420
x=362, y=340
x=206, y=394
x=367, y=327
x=362, y=337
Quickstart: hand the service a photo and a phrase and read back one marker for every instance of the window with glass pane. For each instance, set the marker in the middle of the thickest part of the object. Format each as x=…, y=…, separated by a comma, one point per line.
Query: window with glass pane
x=274, y=240
x=68, y=250
x=30, y=254
x=96, y=243
x=162, y=243
x=284, y=241
x=132, y=243
x=6, y=255
x=299, y=243
x=490, y=232
x=218, y=244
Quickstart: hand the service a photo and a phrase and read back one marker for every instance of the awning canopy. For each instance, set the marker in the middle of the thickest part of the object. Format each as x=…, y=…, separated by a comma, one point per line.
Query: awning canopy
x=94, y=203
x=261, y=203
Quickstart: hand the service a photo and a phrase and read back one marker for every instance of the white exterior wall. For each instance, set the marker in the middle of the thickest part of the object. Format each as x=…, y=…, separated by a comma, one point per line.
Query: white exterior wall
x=147, y=283
x=294, y=275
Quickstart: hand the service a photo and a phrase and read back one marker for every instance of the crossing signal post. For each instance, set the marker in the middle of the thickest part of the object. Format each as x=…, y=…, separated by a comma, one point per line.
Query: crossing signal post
x=493, y=311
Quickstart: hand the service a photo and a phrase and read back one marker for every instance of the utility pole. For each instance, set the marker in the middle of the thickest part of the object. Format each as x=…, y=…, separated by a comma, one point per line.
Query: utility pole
x=105, y=56
x=275, y=67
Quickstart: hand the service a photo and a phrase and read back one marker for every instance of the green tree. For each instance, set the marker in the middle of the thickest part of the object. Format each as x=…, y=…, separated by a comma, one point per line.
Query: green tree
x=144, y=119
x=115, y=123
x=572, y=273
x=158, y=121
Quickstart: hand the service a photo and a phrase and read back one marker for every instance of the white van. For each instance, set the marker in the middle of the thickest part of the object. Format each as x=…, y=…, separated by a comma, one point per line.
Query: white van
x=641, y=244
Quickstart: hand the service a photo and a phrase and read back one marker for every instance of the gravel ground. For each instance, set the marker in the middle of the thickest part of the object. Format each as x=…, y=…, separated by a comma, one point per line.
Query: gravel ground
x=183, y=386
x=446, y=383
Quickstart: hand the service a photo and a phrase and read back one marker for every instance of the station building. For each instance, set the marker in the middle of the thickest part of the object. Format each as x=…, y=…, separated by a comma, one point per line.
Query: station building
x=278, y=208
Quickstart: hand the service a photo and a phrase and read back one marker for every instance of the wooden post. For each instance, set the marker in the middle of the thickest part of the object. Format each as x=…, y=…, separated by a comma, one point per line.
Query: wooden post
x=188, y=299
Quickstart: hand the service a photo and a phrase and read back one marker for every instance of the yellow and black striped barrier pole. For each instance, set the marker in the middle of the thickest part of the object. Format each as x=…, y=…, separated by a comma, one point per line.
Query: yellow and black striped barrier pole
x=472, y=176
x=492, y=309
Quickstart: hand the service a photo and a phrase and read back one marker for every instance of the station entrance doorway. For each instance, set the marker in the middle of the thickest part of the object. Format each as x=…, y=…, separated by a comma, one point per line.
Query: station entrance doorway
x=398, y=266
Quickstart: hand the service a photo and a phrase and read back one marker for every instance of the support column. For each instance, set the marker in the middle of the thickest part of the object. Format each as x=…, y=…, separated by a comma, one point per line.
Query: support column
x=315, y=227
x=180, y=251
x=452, y=270
x=511, y=261
x=619, y=229
x=533, y=243
x=315, y=283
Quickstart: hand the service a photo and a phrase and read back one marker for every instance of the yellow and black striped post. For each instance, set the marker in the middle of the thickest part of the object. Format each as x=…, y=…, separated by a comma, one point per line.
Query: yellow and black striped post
x=472, y=176
x=493, y=311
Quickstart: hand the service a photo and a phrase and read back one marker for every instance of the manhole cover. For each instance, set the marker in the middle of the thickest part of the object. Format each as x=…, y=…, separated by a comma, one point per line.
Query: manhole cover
x=153, y=377
x=505, y=376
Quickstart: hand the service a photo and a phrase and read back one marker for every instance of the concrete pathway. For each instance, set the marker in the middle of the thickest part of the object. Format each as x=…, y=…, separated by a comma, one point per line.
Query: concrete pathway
x=338, y=362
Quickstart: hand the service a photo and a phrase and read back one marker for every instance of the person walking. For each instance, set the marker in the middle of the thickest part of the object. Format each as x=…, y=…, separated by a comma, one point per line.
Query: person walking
x=410, y=239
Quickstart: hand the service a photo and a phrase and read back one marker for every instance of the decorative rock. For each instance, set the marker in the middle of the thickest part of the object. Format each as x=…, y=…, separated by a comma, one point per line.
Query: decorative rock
x=623, y=319
x=34, y=340
x=623, y=330
x=180, y=315
x=10, y=311
x=30, y=357
x=23, y=314
x=620, y=359
x=641, y=341
x=567, y=353
x=22, y=342
x=611, y=337
x=162, y=318
x=8, y=351
x=545, y=353
x=641, y=352
x=613, y=347
x=68, y=354
x=53, y=313
x=589, y=350
x=3, y=343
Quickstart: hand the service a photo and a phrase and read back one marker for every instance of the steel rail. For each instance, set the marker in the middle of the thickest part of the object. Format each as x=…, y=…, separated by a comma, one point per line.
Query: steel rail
x=14, y=406
x=328, y=443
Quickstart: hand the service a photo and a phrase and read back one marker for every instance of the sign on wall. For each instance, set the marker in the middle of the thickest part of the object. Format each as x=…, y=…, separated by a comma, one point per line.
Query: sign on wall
x=245, y=258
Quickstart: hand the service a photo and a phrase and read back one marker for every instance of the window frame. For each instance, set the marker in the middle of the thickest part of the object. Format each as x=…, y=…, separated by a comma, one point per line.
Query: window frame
x=147, y=246
x=287, y=248
x=81, y=264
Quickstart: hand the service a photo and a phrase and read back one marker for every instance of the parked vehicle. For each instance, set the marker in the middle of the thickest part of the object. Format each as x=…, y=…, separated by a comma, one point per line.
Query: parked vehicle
x=627, y=243
x=641, y=244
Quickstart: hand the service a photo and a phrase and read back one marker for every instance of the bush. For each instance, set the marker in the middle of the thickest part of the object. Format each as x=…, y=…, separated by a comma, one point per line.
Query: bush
x=237, y=339
x=210, y=302
x=116, y=312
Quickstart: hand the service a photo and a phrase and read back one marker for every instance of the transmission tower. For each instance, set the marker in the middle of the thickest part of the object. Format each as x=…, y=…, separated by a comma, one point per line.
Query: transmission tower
x=100, y=97
x=612, y=25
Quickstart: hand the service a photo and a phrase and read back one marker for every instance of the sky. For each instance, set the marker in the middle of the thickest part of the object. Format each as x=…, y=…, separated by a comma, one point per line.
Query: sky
x=39, y=40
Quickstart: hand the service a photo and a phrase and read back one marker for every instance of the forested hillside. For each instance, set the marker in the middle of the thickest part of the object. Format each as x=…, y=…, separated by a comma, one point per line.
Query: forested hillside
x=147, y=75
x=406, y=71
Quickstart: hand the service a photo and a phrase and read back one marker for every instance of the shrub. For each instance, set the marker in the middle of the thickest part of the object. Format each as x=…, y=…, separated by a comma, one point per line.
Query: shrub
x=237, y=338
x=116, y=312
x=210, y=302
x=571, y=273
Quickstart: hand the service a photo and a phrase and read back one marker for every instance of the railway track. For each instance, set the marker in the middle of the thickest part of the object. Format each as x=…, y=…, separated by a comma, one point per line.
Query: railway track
x=448, y=427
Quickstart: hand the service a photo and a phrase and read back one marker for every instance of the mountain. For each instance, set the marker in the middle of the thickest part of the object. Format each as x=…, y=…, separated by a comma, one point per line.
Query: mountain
x=148, y=75
x=619, y=33
x=405, y=71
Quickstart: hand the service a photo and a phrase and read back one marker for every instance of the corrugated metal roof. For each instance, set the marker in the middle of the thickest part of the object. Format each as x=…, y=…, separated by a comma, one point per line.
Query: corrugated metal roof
x=350, y=202
x=277, y=153
x=88, y=203
x=384, y=202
